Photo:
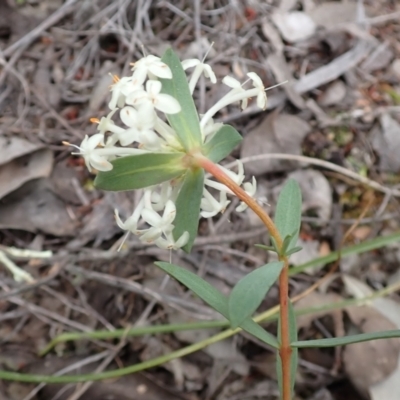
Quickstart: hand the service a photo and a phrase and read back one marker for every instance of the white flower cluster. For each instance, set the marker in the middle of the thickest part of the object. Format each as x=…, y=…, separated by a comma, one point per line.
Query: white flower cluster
x=137, y=99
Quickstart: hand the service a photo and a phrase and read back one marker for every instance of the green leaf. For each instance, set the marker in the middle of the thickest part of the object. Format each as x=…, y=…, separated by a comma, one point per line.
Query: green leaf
x=293, y=250
x=188, y=206
x=259, y=332
x=249, y=292
x=186, y=122
x=203, y=289
x=143, y=170
x=215, y=299
x=222, y=143
x=342, y=341
x=294, y=358
x=288, y=212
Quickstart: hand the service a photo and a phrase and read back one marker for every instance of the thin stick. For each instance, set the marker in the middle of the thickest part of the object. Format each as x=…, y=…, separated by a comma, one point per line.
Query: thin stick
x=324, y=164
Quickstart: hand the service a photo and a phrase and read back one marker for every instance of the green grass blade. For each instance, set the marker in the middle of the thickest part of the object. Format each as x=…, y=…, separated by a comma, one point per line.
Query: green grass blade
x=342, y=341
x=363, y=247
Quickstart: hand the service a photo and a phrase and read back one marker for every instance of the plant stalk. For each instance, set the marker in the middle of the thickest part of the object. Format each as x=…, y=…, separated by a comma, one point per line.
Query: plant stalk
x=285, y=350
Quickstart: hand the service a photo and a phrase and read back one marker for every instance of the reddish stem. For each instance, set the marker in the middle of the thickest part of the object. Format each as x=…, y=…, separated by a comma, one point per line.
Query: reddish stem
x=285, y=351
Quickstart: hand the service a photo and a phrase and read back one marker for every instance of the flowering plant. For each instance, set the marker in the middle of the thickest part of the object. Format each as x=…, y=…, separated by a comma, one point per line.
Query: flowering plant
x=165, y=149
x=163, y=157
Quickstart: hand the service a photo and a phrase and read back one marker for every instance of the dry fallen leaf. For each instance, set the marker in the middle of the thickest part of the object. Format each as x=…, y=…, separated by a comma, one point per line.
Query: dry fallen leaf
x=25, y=168
x=278, y=133
x=34, y=207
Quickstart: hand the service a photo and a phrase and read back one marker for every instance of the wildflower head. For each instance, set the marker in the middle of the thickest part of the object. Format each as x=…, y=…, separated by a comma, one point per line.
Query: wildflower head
x=158, y=147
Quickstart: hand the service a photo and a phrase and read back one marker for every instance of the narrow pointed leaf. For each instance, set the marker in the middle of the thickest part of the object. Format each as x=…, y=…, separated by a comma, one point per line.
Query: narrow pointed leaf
x=188, y=206
x=342, y=341
x=293, y=250
x=288, y=212
x=140, y=171
x=294, y=358
x=259, y=332
x=222, y=143
x=186, y=122
x=203, y=289
x=250, y=291
x=215, y=299
x=264, y=247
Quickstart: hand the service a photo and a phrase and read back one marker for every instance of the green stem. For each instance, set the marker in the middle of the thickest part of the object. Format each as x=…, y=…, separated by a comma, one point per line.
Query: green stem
x=285, y=350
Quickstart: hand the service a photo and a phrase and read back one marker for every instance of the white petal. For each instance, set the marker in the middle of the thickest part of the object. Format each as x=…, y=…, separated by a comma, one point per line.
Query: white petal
x=92, y=142
x=241, y=207
x=153, y=87
x=262, y=100
x=231, y=82
x=118, y=220
x=137, y=97
x=150, y=139
x=151, y=217
x=129, y=116
x=151, y=235
x=190, y=63
x=182, y=241
x=169, y=213
x=160, y=69
x=257, y=82
x=128, y=137
x=209, y=73
x=100, y=163
x=147, y=115
x=139, y=76
x=163, y=243
x=167, y=104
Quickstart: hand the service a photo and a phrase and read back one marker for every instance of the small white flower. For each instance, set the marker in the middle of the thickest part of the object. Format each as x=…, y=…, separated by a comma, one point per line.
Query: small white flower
x=236, y=87
x=98, y=158
x=91, y=157
x=121, y=88
x=131, y=224
x=200, y=67
x=169, y=243
x=250, y=189
x=210, y=206
x=159, y=200
x=106, y=124
x=150, y=65
x=258, y=84
x=161, y=101
x=141, y=123
x=159, y=224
